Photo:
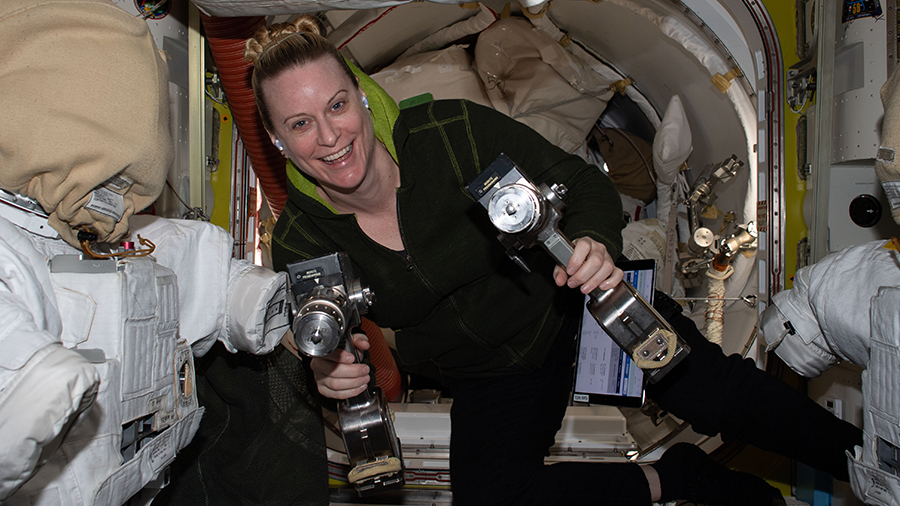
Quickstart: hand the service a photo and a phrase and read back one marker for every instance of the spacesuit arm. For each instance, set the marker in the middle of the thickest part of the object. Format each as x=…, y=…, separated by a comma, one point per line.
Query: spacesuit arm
x=42, y=394
x=791, y=329
x=256, y=308
x=220, y=298
x=44, y=387
x=828, y=311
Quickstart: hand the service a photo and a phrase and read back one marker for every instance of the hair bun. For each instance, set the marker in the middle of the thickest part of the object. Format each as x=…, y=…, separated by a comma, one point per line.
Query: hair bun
x=269, y=36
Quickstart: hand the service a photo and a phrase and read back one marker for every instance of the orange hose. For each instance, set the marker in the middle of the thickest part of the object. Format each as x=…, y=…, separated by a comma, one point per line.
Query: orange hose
x=225, y=37
x=387, y=376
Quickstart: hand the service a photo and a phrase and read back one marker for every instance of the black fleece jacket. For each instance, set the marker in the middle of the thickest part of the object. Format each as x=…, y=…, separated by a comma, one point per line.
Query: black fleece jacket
x=453, y=296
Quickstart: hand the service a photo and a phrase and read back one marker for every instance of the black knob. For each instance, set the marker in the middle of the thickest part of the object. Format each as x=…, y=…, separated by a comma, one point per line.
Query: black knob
x=865, y=211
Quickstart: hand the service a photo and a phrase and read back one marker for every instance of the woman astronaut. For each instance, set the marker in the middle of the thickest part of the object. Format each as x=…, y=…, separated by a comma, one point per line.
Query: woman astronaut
x=97, y=391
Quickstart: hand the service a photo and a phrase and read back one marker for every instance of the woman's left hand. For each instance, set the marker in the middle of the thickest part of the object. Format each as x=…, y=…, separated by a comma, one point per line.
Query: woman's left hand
x=590, y=267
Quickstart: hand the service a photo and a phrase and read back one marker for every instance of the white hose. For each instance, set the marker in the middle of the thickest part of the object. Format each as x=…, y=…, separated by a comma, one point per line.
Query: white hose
x=715, y=304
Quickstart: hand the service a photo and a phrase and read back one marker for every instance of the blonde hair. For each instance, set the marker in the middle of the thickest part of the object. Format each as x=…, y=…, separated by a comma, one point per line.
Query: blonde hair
x=278, y=47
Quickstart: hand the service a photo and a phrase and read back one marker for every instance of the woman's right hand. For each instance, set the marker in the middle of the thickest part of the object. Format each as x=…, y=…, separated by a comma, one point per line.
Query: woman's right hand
x=337, y=375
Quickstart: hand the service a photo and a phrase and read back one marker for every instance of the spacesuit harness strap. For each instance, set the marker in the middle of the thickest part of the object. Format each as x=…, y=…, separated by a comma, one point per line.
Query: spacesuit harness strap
x=875, y=469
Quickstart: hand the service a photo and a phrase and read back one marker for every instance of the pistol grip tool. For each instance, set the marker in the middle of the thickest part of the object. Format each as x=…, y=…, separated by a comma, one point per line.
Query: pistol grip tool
x=525, y=215
x=328, y=303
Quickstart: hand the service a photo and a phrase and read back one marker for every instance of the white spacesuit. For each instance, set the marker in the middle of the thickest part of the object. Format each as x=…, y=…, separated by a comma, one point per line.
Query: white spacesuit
x=97, y=390
x=847, y=307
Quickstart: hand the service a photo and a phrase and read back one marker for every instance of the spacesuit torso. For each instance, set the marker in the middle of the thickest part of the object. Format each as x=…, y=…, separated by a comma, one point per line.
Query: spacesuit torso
x=875, y=469
x=125, y=318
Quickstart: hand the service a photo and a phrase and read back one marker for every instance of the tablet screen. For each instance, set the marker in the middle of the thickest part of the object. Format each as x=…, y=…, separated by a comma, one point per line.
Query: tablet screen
x=604, y=373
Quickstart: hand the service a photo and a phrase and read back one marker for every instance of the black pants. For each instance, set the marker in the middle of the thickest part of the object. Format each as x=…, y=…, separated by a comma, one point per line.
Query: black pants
x=503, y=427
x=732, y=397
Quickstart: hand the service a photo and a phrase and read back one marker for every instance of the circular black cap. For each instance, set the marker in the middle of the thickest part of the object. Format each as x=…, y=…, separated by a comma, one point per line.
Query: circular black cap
x=865, y=210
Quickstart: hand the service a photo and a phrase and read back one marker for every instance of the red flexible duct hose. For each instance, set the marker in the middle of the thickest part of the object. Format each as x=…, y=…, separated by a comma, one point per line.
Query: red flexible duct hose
x=387, y=376
x=226, y=37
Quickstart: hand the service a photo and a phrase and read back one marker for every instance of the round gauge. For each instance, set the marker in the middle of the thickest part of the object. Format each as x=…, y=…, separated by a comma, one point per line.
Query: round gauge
x=514, y=209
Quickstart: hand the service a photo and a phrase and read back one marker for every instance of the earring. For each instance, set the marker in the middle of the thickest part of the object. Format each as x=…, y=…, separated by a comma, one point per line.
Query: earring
x=365, y=101
x=279, y=146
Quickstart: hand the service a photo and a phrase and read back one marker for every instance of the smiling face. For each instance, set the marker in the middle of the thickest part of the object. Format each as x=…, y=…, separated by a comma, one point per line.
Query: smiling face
x=318, y=116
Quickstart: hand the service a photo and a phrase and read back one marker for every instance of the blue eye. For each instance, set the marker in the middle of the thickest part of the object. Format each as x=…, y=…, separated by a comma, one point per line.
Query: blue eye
x=300, y=124
x=337, y=106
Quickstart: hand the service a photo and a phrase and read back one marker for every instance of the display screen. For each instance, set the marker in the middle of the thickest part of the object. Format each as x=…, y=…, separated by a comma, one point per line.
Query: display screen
x=604, y=373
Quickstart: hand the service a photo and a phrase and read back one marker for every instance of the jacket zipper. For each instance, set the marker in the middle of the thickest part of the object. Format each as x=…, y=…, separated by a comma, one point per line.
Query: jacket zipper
x=410, y=265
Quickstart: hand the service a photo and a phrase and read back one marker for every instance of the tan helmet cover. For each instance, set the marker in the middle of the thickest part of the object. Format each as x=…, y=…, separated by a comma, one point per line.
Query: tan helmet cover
x=84, y=98
x=887, y=167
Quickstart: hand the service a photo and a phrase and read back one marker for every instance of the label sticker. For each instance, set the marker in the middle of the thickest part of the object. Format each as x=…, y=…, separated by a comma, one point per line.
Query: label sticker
x=118, y=183
x=162, y=451
x=877, y=488
x=107, y=202
x=151, y=9
x=855, y=9
x=313, y=273
x=885, y=155
x=275, y=309
x=892, y=191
